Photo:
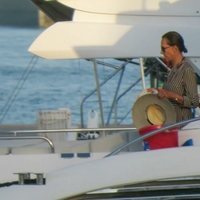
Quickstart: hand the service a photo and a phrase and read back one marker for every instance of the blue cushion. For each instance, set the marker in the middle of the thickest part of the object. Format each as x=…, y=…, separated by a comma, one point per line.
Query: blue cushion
x=188, y=143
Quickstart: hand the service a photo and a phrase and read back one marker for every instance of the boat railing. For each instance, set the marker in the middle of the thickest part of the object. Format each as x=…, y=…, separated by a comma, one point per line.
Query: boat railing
x=77, y=130
x=141, y=138
x=15, y=137
x=35, y=134
x=147, y=72
x=118, y=69
x=117, y=97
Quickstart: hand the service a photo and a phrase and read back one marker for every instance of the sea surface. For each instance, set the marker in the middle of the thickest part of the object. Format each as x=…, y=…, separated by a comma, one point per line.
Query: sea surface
x=26, y=89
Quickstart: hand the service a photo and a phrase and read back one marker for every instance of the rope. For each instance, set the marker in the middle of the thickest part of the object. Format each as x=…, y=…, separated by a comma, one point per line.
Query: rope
x=17, y=89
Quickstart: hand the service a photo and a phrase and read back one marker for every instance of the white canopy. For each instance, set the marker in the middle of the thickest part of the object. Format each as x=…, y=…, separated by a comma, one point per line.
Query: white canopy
x=71, y=40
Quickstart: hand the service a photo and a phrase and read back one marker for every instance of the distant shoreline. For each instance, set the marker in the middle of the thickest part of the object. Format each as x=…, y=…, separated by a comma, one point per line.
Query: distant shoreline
x=21, y=13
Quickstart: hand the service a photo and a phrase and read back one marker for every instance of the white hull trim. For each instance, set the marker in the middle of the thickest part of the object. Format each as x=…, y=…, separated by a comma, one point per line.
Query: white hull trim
x=109, y=172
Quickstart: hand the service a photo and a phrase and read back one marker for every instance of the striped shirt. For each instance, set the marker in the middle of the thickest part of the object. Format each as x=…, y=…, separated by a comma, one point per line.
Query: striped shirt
x=182, y=80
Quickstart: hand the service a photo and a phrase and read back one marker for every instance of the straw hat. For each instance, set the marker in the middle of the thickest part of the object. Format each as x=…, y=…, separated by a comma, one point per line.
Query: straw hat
x=151, y=110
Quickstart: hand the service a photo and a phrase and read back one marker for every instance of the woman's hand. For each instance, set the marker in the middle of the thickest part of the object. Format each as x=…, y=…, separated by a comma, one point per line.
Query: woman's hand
x=162, y=93
x=152, y=90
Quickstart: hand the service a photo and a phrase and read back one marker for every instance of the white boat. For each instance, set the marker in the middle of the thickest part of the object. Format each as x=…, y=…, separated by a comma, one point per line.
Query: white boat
x=115, y=11
x=103, y=168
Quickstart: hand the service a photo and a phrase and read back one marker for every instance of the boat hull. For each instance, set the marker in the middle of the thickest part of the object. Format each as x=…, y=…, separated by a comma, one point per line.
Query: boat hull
x=120, y=170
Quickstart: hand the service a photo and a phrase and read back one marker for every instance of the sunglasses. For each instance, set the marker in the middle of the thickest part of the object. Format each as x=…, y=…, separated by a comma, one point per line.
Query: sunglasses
x=163, y=49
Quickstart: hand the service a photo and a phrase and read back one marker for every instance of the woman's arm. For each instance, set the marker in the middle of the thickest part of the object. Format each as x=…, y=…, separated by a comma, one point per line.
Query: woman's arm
x=191, y=98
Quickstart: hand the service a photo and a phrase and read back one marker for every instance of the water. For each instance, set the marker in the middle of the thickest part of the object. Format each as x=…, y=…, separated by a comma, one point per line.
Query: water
x=50, y=84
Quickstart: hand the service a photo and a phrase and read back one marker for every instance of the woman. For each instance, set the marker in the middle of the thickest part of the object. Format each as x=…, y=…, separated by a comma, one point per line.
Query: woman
x=181, y=84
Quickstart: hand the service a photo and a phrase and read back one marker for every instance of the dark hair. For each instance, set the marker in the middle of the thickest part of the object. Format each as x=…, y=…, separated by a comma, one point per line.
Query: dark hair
x=175, y=38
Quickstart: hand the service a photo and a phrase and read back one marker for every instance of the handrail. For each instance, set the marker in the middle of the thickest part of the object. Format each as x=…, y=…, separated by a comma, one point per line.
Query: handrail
x=94, y=90
x=29, y=138
x=147, y=71
x=116, y=97
x=70, y=130
x=116, y=151
x=16, y=133
x=116, y=94
x=99, y=96
x=178, y=124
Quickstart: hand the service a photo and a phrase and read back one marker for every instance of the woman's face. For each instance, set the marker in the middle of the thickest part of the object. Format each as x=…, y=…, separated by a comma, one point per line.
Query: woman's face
x=167, y=51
